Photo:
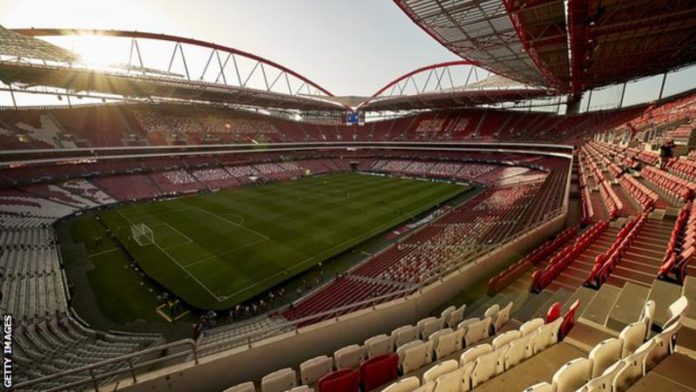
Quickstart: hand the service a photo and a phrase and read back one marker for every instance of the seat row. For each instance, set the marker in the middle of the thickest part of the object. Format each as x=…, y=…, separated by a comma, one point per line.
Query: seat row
x=504, y=278
x=485, y=361
x=561, y=260
x=644, y=196
x=615, y=364
x=675, y=186
x=604, y=263
x=681, y=247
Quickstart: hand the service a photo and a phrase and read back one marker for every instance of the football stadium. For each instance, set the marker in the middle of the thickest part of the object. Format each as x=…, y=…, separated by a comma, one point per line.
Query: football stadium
x=325, y=196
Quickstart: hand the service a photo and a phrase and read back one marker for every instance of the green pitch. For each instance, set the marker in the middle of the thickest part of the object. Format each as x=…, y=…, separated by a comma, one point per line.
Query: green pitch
x=219, y=249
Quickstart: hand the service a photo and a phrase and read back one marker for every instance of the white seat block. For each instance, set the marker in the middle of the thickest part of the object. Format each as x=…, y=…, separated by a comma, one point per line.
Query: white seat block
x=517, y=352
x=279, y=381
x=429, y=326
x=417, y=356
x=378, y=345
x=313, y=369
x=477, y=331
x=635, y=366
x=572, y=375
x=349, y=357
x=604, y=382
x=531, y=326
x=632, y=336
x=447, y=343
x=456, y=317
x=403, y=334
x=485, y=369
x=473, y=353
x=647, y=316
x=440, y=369
x=502, y=317
x=604, y=354
x=244, y=387
x=407, y=384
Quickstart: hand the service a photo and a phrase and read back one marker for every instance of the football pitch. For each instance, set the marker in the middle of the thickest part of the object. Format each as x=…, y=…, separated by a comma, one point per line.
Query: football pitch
x=219, y=249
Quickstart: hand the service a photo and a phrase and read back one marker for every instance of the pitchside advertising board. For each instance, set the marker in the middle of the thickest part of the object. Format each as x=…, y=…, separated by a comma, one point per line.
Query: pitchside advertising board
x=7, y=363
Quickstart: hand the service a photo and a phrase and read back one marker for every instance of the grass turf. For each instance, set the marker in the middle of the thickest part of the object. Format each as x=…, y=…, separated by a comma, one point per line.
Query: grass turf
x=219, y=249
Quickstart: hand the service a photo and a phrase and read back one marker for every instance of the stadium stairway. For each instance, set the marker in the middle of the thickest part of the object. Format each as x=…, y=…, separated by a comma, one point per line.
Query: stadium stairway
x=576, y=273
x=643, y=258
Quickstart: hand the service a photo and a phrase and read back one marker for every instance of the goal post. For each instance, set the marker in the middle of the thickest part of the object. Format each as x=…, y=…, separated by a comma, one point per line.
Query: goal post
x=142, y=234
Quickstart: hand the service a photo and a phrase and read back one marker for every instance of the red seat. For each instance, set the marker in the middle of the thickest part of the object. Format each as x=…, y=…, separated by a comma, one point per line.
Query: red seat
x=568, y=320
x=379, y=370
x=553, y=313
x=342, y=380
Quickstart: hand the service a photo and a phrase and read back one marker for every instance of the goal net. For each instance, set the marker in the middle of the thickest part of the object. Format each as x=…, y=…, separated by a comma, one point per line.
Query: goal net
x=142, y=234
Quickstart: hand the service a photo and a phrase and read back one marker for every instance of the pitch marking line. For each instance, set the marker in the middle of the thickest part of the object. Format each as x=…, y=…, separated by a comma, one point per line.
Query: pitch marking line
x=186, y=242
x=103, y=252
x=218, y=298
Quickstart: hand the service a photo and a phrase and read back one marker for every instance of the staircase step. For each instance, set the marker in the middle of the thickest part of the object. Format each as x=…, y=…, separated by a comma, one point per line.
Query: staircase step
x=628, y=274
x=663, y=293
x=558, y=296
x=689, y=291
x=628, y=306
x=598, y=310
x=584, y=294
x=532, y=304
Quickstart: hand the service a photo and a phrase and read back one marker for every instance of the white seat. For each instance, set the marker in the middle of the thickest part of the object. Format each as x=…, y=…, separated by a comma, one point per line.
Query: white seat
x=427, y=387
x=605, y=382
x=545, y=337
x=664, y=342
x=313, y=369
x=501, y=344
x=470, y=355
x=244, y=387
x=408, y=384
x=676, y=310
x=572, y=375
x=301, y=388
x=403, y=334
x=632, y=336
x=492, y=311
x=477, y=331
x=401, y=351
x=502, y=317
x=531, y=326
x=517, y=352
x=279, y=381
x=604, y=354
x=635, y=366
x=438, y=370
x=417, y=356
x=447, y=343
x=445, y=313
x=456, y=317
x=349, y=357
x=485, y=369
x=540, y=387
x=428, y=326
x=378, y=345
x=455, y=381
x=647, y=316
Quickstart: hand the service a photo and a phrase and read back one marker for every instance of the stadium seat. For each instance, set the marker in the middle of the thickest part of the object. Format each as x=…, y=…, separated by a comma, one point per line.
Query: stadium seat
x=428, y=326
x=544, y=337
x=343, y=380
x=554, y=312
x=676, y=310
x=635, y=366
x=632, y=337
x=540, y=387
x=406, y=384
x=477, y=331
x=517, y=352
x=455, y=317
x=647, y=315
x=245, y=387
x=416, y=356
x=438, y=370
x=502, y=317
x=572, y=375
x=605, y=382
x=501, y=345
x=604, y=354
x=471, y=354
x=492, y=311
x=531, y=326
x=446, y=313
x=403, y=334
x=279, y=381
x=464, y=325
x=379, y=371
x=485, y=368
x=378, y=345
x=446, y=343
x=313, y=369
x=349, y=357
x=664, y=344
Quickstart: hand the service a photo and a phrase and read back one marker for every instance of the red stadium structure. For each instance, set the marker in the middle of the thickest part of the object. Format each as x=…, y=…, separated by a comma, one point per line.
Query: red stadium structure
x=570, y=267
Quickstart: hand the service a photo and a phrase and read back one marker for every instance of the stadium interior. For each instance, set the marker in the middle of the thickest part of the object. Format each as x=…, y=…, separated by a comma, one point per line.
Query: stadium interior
x=516, y=220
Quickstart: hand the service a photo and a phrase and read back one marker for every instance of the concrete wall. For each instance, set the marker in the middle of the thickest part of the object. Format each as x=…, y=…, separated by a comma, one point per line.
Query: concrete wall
x=222, y=370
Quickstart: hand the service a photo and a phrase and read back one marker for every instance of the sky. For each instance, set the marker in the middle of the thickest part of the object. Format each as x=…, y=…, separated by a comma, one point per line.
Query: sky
x=350, y=47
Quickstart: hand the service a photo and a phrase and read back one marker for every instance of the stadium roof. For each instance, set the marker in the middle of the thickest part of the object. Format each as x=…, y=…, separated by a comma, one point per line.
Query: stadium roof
x=19, y=45
x=540, y=42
